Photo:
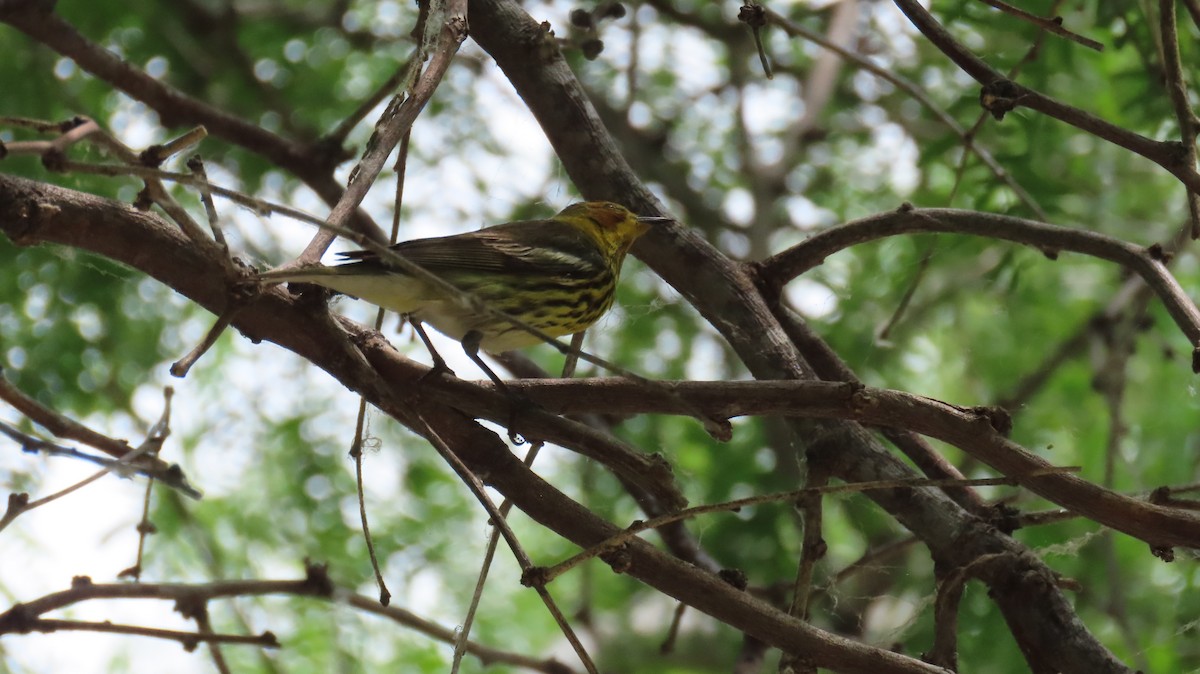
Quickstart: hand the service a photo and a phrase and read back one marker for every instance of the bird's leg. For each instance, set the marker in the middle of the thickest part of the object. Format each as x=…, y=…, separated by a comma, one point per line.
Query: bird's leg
x=439, y=365
x=470, y=345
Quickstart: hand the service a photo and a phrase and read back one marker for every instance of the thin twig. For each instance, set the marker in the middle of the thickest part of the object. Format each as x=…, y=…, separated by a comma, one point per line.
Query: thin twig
x=1177, y=89
x=463, y=638
x=909, y=292
x=967, y=136
x=181, y=367
x=191, y=598
x=188, y=639
x=668, y=644
x=810, y=509
x=478, y=490
x=311, y=163
x=356, y=453
x=405, y=75
x=944, y=651
x=356, y=446
x=1049, y=25
x=157, y=154
x=751, y=14
x=159, y=470
x=809, y=506
x=20, y=504
x=493, y=540
x=449, y=28
x=1030, y=55
x=196, y=165
x=1001, y=95
x=1147, y=263
x=258, y=206
x=53, y=154
x=144, y=528
x=615, y=542
x=204, y=626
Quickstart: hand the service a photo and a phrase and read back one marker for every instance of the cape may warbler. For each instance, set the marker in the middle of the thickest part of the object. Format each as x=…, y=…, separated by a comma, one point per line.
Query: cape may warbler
x=558, y=275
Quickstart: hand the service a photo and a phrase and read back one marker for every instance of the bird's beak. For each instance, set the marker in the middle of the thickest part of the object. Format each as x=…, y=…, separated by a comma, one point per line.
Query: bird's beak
x=647, y=221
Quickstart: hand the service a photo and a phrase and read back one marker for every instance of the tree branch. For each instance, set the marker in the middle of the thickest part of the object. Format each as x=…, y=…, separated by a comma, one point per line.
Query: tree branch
x=313, y=164
x=24, y=617
x=1000, y=95
x=1146, y=262
x=721, y=291
x=36, y=213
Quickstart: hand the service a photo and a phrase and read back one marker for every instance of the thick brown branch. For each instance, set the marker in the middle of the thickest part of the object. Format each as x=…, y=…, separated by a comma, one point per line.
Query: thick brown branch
x=1001, y=95
x=33, y=213
x=1147, y=263
x=967, y=428
x=721, y=289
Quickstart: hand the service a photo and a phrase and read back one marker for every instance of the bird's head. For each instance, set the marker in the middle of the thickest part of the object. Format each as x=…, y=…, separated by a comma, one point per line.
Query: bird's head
x=613, y=226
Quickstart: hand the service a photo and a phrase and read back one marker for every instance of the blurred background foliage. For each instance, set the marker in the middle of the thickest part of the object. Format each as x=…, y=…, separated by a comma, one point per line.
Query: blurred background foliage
x=681, y=87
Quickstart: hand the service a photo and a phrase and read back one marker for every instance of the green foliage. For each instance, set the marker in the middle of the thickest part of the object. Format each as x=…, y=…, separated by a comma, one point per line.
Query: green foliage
x=700, y=123
x=70, y=311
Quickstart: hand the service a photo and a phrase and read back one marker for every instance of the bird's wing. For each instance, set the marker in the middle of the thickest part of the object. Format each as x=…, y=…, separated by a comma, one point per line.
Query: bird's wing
x=529, y=247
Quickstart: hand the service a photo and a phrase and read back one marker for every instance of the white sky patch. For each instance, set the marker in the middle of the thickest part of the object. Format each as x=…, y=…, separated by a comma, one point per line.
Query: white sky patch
x=681, y=46
x=770, y=105
x=65, y=68
x=134, y=124
x=94, y=535
x=811, y=298
x=705, y=350
x=734, y=244
x=805, y=214
x=738, y=205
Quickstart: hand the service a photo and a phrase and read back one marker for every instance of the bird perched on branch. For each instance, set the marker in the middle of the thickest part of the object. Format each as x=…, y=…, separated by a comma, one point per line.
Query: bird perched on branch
x=556, y=275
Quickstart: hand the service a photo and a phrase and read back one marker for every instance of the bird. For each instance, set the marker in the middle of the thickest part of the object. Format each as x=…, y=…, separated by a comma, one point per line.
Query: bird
x=557, y=275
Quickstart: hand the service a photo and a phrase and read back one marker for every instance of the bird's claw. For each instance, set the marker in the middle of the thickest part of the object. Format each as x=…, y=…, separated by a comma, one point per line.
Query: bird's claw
x=518, y=403
x=439, y=369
